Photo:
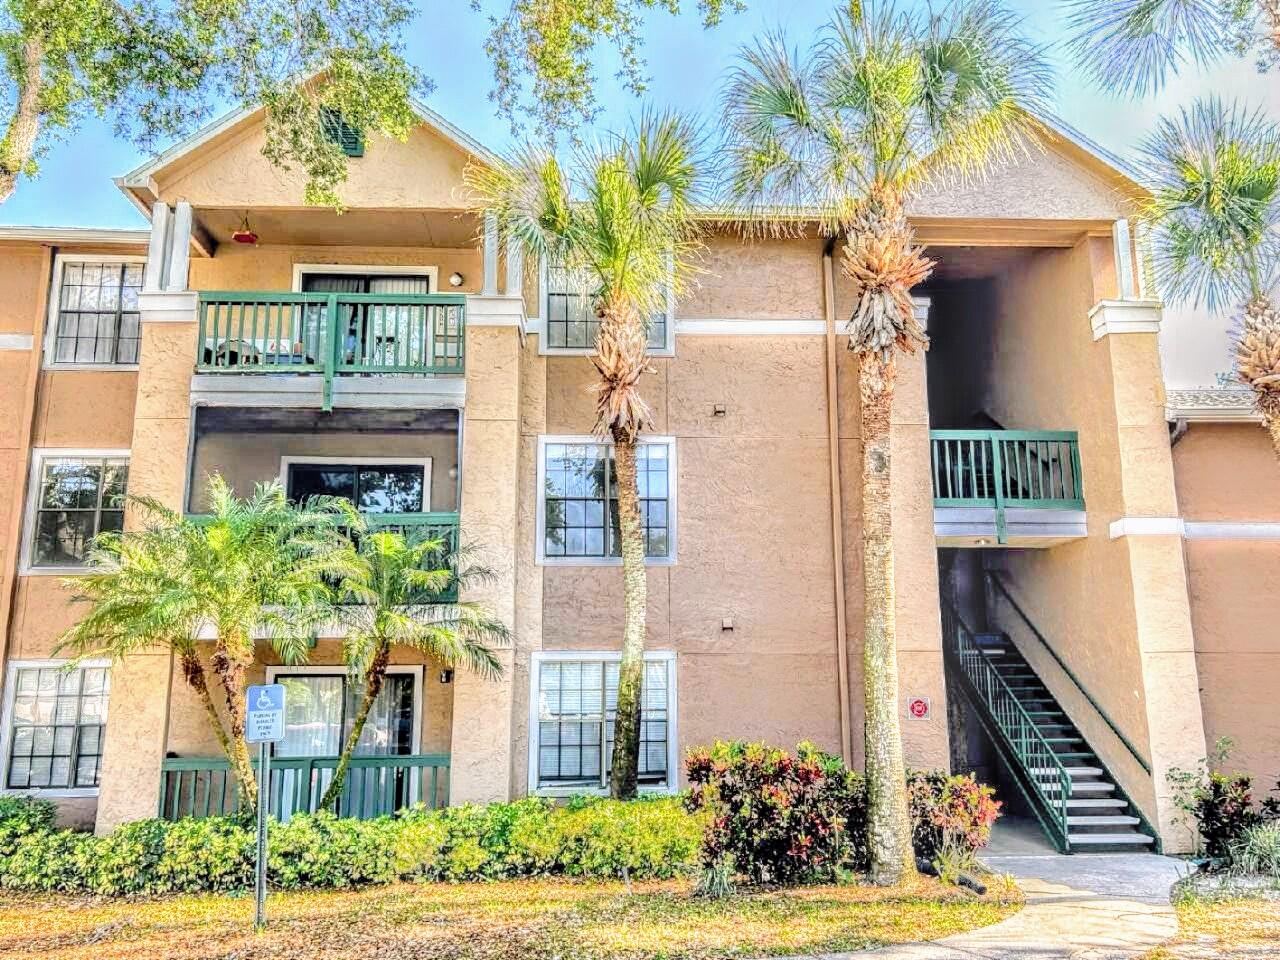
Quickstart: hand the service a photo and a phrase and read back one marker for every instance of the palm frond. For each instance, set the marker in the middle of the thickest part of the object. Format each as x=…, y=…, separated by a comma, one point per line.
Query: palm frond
x=1214, y=210
x=1133, y=46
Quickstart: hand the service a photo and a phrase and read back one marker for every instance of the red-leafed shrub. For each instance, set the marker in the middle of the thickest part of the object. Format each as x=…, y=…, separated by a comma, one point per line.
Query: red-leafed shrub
x=782, y=818
x=955, y=810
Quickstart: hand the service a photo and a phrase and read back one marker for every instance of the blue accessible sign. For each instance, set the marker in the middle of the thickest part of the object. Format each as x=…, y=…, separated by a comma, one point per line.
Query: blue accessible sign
x=264, y=716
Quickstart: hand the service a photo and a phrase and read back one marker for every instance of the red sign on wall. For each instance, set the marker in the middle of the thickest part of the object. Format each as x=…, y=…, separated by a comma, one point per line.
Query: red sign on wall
x=918, y=708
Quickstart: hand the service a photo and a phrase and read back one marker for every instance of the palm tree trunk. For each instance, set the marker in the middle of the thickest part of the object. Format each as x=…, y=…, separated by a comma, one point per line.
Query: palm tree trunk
x=1258, y=362
x=372, y=687
x=626, y=727
x=889, y=824
x=231, y=674
x=193, y=672
x=1271, y=14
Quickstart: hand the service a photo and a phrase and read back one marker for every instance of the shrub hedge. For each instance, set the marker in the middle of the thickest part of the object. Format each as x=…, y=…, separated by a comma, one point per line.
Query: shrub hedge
x=783, y=818
x=650, y=839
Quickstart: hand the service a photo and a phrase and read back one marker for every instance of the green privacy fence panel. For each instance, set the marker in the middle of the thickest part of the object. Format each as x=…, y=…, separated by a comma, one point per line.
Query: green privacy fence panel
x=375, y=786
x=1041, y=767
x=332, y=334
x=1033, y=469
x=429, y=526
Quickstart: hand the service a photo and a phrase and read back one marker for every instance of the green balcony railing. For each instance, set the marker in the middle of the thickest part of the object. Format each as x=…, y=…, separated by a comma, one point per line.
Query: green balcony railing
x=375, y=786
x=331, y=334
x=1032, y=469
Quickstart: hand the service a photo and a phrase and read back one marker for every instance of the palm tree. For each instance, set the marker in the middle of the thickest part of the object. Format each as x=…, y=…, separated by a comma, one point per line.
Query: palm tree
x=1214, y=212
x=399, y=591
x=253, y=566
x=623, y=218
x=1134, y=45
x=884, y=102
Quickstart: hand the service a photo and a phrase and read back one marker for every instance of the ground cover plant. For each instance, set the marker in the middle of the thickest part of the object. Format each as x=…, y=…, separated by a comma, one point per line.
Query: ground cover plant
x=498, y=920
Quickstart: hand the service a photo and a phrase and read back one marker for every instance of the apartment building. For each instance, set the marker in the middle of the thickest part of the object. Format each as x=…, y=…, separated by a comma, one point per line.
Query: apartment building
x=1080, y=585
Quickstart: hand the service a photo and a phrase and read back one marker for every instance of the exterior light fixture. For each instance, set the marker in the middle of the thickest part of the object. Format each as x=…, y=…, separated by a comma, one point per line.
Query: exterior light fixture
x=446, y=676
x=244, y=234
x=455, y=279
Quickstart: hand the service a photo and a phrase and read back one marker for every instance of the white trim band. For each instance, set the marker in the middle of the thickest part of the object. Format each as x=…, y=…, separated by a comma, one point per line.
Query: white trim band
x=1124, y=316
x=1209, y=530
x=16, y=341
x=495, y=310
x=1212, y=405
x=1146, y=527
x=168, y=306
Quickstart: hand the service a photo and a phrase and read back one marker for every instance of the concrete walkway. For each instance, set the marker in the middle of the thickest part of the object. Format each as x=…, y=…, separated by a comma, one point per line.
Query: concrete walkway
x=1082, y=907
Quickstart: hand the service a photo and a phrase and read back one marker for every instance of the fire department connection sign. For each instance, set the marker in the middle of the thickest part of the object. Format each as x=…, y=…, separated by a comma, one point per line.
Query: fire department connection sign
x=918, y=708
x=264, y=714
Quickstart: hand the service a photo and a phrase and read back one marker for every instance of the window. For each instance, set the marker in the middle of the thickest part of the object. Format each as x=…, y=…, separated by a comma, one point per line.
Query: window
x=95, y=312
x=338, y=131
x=569, y=323
x=573, y=703
x=386, y=487
x=74, y=496
x=578, y=516
x=54, y=724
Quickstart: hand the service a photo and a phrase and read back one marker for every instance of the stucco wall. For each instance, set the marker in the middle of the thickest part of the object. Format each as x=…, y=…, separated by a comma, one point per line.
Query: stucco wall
x=244, y=459
x=425, y=173
x=270, y=266
x=1226, y=473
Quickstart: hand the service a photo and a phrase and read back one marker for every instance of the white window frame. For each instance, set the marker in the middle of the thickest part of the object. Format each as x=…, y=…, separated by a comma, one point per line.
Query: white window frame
x=338, y=669
x=424, y=462
x=540, y=532
x=604, y=656
x=367, y=268
x=11, y=668
x=544, y=290
x=55, y=302
x=38, y=456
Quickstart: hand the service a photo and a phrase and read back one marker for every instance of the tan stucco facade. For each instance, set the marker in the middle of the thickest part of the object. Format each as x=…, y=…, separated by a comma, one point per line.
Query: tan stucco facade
x=1161, y=632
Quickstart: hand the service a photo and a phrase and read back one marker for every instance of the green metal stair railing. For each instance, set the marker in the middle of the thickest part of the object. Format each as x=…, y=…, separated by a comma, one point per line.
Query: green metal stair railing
x=1000, y=589
x=331, y=334
x=1041, y=774
x=1031, y=469
x=375, y=786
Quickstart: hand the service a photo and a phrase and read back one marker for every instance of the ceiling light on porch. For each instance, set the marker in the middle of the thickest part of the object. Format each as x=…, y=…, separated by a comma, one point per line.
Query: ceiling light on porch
x=455, y=279
x=244, y=233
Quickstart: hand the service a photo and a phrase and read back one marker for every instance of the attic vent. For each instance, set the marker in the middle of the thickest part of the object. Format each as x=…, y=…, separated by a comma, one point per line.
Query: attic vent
x=342, y=133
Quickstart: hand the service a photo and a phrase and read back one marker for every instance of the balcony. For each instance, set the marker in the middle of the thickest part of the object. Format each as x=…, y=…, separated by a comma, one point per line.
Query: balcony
x=293, y=349
x=376, y=786
x=1016, y=487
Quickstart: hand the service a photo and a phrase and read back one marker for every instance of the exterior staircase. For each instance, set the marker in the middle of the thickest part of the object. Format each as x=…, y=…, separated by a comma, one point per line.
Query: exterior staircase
x=1078, y=803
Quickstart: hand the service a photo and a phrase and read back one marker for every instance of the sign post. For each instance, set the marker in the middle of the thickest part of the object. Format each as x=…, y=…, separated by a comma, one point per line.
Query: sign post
x=264, y=725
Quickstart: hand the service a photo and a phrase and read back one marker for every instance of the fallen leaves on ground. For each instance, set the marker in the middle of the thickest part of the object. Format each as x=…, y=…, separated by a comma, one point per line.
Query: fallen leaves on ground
x=516, y=920
x=1223, y=928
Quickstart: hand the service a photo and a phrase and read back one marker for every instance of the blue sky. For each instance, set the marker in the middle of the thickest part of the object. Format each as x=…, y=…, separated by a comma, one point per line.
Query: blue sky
x=685, y=63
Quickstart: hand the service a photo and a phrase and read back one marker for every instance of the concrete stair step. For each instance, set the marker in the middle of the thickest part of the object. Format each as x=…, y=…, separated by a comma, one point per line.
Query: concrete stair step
x=1110, y=839
x=1073, y=771
x=1102, y=820
x=1095, y=803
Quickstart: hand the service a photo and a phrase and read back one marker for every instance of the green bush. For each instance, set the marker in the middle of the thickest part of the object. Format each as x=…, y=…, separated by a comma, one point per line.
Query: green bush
x=586, y=838
x=1258, y=849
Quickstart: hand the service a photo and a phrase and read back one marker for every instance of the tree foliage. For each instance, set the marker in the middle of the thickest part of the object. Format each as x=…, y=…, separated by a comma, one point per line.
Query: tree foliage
x=254, y=568
x=159, y=69
x=1134, y=46
x=402, y=590
x=542, y=54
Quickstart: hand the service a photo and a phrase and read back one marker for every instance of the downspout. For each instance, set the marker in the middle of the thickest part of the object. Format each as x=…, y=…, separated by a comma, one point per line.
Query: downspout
x=837, y=499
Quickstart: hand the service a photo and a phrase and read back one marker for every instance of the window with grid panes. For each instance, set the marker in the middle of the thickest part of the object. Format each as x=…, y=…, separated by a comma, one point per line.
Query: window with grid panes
x=98, y=320
x=577, y=703
x=56, y=731
x=571, y=324
x=76, y=498
x=580, y=500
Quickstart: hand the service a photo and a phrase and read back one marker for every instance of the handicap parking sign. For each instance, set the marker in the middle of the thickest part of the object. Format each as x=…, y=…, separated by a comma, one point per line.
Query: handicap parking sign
x=264, y=717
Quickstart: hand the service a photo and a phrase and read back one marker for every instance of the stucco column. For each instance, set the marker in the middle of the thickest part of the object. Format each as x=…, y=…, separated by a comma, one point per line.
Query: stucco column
x=137, y=718
x=915, y=565
x=1151, y=536
x=480, y=750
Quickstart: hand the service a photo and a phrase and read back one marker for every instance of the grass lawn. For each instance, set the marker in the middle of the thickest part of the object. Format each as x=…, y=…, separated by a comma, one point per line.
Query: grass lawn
x=1224, y=928
x=529, y=920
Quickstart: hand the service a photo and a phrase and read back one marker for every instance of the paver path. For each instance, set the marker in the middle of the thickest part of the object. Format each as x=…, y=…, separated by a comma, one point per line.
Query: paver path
x=1083, y=907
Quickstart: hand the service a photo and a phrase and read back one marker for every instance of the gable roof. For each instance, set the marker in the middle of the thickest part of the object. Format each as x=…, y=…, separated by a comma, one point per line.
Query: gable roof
x=143, y=177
